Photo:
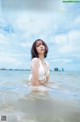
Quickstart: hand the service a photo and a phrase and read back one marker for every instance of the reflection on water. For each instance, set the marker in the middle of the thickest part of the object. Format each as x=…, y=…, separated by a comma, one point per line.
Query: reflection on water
x=40, y=107
x=59, y=102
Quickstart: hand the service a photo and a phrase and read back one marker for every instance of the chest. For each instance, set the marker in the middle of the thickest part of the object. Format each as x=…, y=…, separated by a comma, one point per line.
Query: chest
x=42, y=68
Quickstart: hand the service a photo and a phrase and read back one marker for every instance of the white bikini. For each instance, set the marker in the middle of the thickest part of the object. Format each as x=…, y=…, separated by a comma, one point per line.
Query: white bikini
x=42, y=73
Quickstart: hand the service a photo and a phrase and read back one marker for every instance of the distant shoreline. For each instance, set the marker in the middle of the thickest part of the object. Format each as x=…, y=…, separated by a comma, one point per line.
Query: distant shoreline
x=3, y=69
x=56, y=69
x=15, y=69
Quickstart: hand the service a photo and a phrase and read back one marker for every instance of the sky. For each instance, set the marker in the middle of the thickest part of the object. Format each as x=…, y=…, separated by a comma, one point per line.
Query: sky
x=24, y=21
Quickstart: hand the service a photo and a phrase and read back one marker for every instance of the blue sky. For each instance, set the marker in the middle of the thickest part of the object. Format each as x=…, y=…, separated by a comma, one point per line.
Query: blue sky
x=57, y=23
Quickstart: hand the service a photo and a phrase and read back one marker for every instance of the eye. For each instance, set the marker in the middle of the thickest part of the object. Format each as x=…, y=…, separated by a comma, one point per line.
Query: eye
x=38, y=45
x=43, y=44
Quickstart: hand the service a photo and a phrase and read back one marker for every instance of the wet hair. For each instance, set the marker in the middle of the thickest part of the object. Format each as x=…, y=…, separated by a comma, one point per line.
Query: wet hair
x=34, y=52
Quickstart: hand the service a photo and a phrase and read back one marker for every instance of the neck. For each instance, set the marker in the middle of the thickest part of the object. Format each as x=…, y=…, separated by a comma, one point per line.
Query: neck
x=41, y=57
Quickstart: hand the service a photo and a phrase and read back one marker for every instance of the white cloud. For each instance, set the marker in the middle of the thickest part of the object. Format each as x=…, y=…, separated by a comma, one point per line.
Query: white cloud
x=60, y=39
x=32, y=24
x=77, y=20
x=62, y=60
x=12, y=55
x=68, y=42
x=26, y=44
x=7, y=59
x=66, y=49
x=3, y=38
x=74, y=37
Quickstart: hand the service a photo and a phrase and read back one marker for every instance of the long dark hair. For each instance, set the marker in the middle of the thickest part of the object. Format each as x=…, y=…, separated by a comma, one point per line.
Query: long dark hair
x=34, y=52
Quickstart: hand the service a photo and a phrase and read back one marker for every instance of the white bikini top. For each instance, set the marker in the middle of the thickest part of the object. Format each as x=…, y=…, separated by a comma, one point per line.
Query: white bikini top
x=42, y=73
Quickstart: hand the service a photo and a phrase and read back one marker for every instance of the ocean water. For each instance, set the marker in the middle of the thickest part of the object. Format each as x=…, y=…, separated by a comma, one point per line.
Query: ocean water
x=59, y=102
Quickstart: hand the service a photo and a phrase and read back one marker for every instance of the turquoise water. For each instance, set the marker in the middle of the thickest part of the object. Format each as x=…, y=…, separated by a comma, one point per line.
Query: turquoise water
x=60, y=103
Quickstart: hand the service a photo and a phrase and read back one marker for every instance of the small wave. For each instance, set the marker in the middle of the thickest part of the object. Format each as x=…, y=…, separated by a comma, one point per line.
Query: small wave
x=13, y=87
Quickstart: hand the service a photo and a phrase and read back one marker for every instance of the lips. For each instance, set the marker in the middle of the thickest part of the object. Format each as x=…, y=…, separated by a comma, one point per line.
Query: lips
x=42, y=49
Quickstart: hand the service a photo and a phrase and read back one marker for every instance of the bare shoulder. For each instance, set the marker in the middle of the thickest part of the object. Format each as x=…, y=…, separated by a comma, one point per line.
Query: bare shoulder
x=35, y=60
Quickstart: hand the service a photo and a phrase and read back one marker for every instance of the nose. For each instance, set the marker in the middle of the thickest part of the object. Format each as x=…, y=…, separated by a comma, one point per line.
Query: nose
x=41, y=45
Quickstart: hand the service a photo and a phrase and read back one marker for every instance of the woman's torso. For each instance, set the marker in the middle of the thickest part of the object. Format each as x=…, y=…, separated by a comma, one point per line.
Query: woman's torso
x=43, y=70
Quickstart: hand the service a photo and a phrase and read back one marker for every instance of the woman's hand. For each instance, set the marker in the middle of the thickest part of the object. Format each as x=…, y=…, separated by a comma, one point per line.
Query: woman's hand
x=36, y=83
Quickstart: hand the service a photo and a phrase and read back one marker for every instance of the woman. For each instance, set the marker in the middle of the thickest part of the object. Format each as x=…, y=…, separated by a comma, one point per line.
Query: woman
x=39, y=67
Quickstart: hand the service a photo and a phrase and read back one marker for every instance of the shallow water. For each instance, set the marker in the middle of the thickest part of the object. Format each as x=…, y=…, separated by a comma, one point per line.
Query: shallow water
x=59, y=102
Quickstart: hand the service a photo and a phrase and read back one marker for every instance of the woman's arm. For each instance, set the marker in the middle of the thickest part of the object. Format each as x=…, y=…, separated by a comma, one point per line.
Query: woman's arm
x=35, y=67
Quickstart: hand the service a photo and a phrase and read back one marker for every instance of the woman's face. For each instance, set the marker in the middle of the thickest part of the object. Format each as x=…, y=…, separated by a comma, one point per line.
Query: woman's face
x=40, y=47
